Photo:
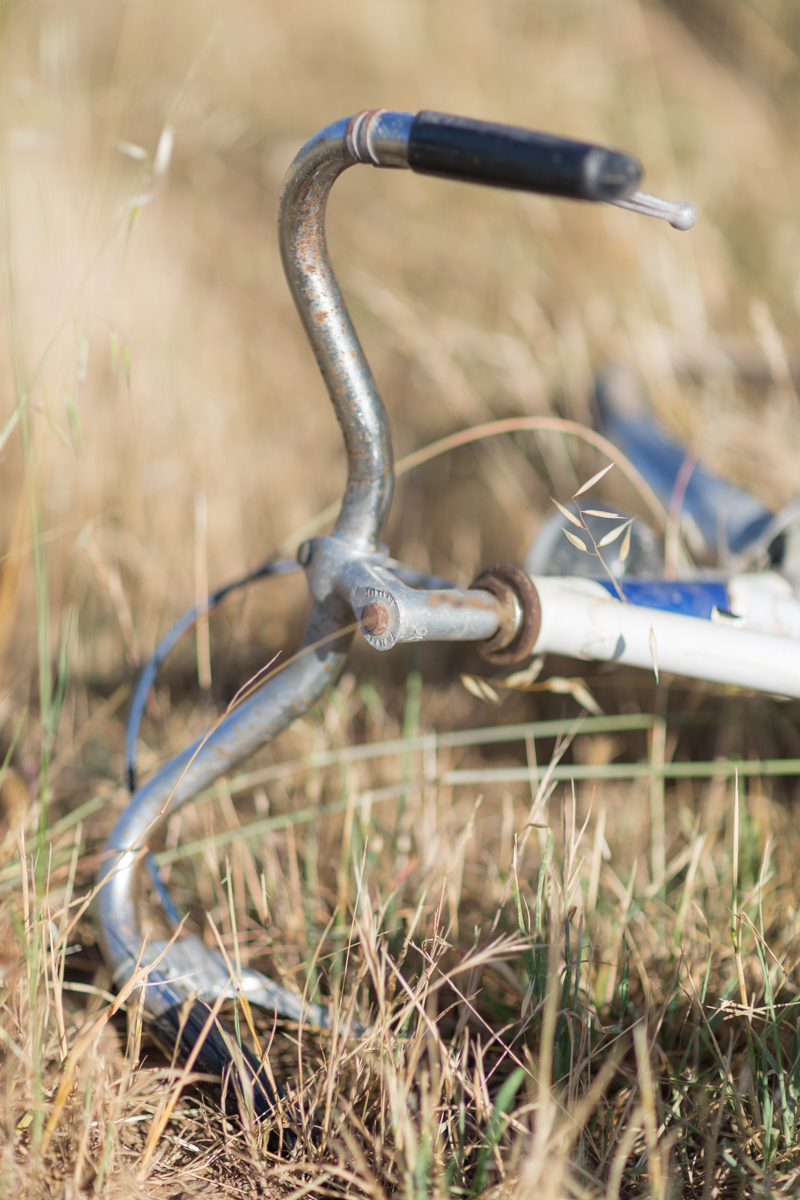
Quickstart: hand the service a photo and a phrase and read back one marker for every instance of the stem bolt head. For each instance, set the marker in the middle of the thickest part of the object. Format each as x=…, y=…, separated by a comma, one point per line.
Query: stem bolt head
x=375, y=619
x=304, y=553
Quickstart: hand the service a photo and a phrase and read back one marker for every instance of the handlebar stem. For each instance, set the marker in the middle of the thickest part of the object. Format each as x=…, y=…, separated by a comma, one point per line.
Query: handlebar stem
x=389, y=611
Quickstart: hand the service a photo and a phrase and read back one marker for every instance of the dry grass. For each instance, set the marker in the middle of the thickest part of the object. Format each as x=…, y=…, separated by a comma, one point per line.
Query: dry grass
x=572, y=989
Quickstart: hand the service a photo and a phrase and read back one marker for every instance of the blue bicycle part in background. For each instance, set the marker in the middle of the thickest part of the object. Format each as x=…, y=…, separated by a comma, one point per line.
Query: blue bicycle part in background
x=728, y=518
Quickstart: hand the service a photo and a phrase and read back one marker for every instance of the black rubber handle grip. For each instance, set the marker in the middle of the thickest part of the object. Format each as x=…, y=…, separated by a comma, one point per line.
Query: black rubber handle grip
x=508, y=157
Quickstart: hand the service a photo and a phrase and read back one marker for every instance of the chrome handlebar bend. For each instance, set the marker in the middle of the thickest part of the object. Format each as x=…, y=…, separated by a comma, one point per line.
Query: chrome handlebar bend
x=345, y=370
x=349, y=572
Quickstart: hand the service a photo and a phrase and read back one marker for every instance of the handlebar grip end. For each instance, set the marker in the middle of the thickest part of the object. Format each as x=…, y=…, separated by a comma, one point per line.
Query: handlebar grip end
x=509, y=157
x=609, y=174
x=679, y=213
x=684, y=217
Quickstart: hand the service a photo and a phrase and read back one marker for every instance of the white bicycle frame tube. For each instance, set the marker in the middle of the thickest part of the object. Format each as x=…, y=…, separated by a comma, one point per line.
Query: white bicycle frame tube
x=579, y=618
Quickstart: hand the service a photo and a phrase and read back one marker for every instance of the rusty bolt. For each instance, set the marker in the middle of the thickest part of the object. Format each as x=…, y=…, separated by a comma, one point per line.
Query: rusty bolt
x=375, y=618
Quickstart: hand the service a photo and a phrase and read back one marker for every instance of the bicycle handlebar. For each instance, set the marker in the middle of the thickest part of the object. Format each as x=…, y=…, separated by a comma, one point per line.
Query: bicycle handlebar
x=349, y=573
x=506, y=156
x=509, y=157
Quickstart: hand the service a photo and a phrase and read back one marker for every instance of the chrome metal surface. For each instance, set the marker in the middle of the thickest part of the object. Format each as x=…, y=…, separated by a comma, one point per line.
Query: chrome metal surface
x=347, y=376
x=365, y=508
x=380, y=137
x=253, y=723
x=679, y=213
x=396, y=613
x=191, y=961
x=388, y=610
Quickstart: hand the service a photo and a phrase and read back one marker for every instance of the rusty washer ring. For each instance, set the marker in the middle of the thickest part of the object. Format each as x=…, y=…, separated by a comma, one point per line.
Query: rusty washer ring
x=522, y=614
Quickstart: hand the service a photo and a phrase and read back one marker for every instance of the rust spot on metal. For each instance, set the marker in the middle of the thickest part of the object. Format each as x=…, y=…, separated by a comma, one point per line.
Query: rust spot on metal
x=522, y=614
x=375, y=618
x=450, y=599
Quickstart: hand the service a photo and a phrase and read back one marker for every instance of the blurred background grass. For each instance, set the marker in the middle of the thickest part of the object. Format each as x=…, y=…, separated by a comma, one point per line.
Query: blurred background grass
x=158, y=347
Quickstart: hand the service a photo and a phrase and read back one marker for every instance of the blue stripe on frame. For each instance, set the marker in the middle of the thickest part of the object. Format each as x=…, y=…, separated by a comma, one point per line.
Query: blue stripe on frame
x=692, y=599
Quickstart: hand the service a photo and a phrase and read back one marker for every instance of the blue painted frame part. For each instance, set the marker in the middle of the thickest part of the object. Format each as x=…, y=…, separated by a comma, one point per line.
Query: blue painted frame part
x=691, y=599
x=728, y=517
